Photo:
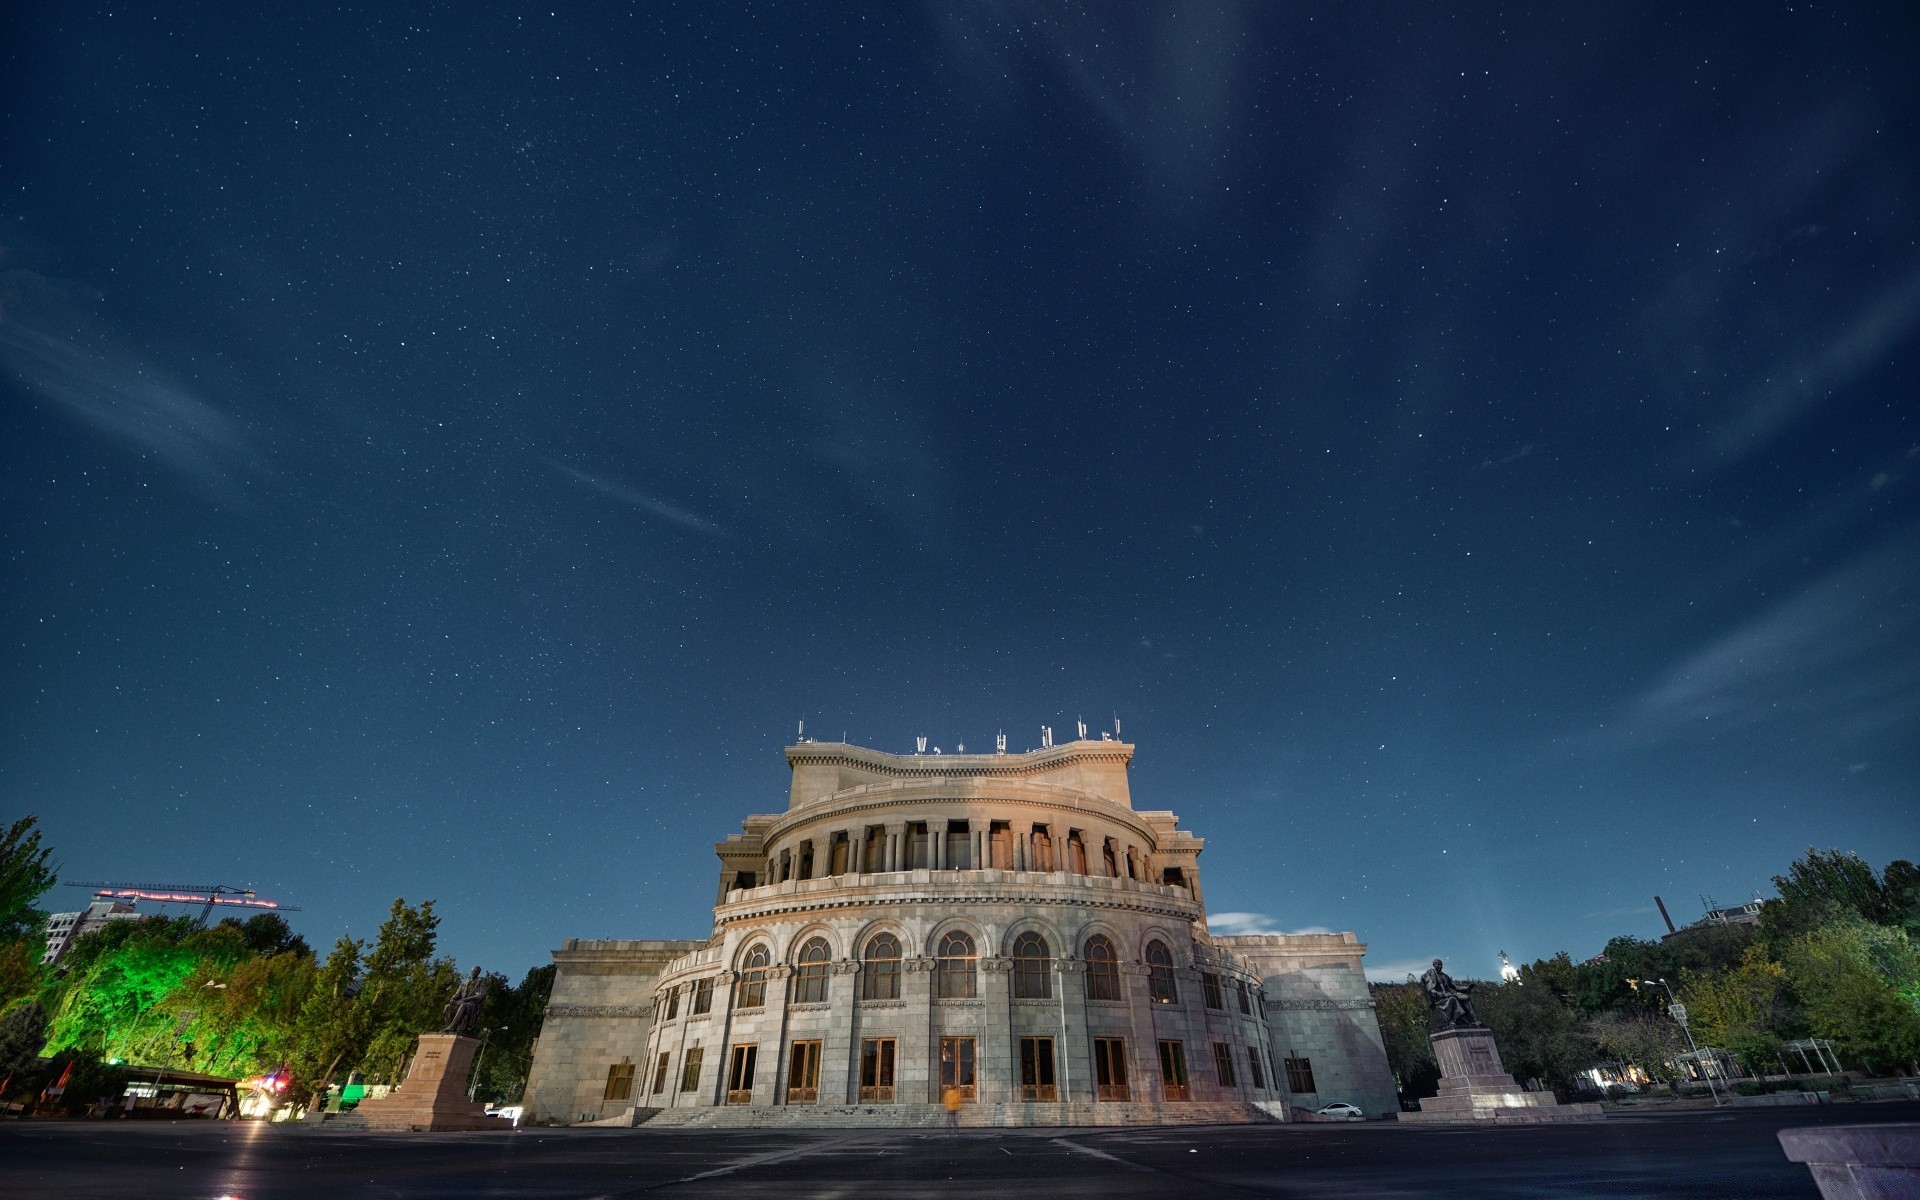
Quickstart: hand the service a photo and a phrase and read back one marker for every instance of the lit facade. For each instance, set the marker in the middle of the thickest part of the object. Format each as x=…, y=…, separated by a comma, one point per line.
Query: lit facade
x=1005, y=929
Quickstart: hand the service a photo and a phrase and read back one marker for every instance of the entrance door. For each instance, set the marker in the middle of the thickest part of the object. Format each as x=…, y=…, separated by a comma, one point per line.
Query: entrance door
x=956, y=1067
x=1110, y=1069
x=876, y=1070
x=1036, y=1069
x=1173, y=1071
x=740, y=1073
x=803, y=1073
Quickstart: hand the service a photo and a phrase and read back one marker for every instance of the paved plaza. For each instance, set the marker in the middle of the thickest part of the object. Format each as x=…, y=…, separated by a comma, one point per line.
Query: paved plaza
x=1680, y=1154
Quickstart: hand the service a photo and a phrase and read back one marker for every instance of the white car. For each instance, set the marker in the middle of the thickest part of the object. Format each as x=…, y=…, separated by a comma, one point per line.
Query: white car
x=1342, y=1112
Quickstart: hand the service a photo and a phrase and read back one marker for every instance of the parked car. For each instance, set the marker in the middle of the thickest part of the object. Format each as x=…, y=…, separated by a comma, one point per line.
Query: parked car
x=1342, y=1112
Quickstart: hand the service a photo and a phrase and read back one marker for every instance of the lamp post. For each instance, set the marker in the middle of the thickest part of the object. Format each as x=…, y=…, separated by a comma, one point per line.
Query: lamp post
x=473, y=1086
x=1678, y=1012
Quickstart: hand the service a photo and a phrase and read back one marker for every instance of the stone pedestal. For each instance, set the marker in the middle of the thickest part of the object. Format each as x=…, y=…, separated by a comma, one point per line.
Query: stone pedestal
x=1475, y=1087
x=434, y=1097
x=1858, y=1162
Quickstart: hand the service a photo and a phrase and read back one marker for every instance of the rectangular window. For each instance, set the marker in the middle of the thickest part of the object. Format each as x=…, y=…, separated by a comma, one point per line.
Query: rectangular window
x=1110, y=1068
x=660, y=1073
x=803, y=1073
x=873, y=858
x=673, y=1003
x=1076, y=853
x=703, y=996
x=619, y=1081
x=1210, y=988
x=1040, y=854
x=876, y=1070
x=837, y=857
x=1300, y=1075
x=690, y=1071
x=1223, y=1063
x=917, y=848
x=1036, y=1069
x=1000, y=846
x=959, y=846
x=956, y=1067
x=1246, y=993
x=740, y=1073
x=1254, y=1069
x=1173, y=1071
x=743, y=879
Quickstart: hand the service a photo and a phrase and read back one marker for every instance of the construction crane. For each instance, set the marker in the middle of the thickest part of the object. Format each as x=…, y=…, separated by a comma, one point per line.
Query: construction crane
x=205, y=894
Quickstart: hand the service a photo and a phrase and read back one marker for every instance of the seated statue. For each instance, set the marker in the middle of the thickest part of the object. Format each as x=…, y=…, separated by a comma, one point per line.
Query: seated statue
x=1450, y=1001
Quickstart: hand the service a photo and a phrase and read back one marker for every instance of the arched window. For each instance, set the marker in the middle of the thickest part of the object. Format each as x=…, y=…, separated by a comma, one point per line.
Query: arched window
x=1103, y=969
x=1032, y=968
x=880, y=980
x=1161, y=987
x=955, y=968
x=810, y=973
x=752, y=988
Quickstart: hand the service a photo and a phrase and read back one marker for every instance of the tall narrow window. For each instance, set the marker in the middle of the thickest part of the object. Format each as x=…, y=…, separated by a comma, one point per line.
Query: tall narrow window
x=959, y=846
x=806, y=859
x=1255, y=1071
x=1036, y=1069
x=1040, y=855
x=880, y=975
x=752, y=988
x=673, y=1003
x=1210, y=989
x=956, y=1067
x=1000, y=846
x=1110, y=1068
x=810, y=973
x=803, y=1073
x=1108, y=860
x=876, y=1070
x=1246, y=997
x=837, y=856
x=1076, y=853
x=660, y=1073
x=874, y=858
x=1223, y=1063
x=690, y=1070
x=1173, y=1071
x=1133, y=863
x=619, y=1081
x=1300, y=1075
x=1103, y=969
x=917, y=848
x=956, y=968
x=740, y=1073
x=1161, y=987
x=1032, y=968
x=702, y=995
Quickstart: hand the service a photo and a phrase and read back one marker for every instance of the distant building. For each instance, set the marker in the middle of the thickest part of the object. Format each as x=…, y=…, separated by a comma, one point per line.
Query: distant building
x=1003, y=932
x=1738, y=914
x=63, y=928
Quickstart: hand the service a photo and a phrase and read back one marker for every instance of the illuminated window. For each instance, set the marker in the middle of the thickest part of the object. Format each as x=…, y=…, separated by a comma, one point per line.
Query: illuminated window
x=880, y=980
x=810, y=975
x=752, y=988
x=1161, y=987
x=1032, y=968
x=955, y=970
x=619, y=1081
x=1103, y=969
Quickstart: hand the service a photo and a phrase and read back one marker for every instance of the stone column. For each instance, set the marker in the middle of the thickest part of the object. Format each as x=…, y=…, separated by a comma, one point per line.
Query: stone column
x=839, y=1066
x=1020, y=839
x=916, y=1076
x=996, y=1058
x=1076, y=1050
x=1143, y=1071
x=770, y=1078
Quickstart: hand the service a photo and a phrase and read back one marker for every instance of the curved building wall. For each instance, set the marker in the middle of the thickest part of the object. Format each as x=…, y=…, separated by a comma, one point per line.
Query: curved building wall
x=839, y=971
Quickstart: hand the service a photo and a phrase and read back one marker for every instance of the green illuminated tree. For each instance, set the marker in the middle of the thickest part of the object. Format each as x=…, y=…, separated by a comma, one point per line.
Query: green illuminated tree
x=1747, y=1010
x=1860, y=983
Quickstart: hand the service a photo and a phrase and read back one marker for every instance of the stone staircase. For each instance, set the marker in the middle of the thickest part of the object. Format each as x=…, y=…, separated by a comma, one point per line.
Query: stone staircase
x=934, y=1116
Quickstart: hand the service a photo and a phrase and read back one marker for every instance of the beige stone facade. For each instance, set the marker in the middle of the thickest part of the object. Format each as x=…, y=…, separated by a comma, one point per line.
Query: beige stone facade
x=1004, y=930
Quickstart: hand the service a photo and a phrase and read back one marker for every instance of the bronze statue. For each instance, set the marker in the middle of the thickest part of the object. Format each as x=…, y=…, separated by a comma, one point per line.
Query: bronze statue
x=1450, y=1001
x=463, y=1007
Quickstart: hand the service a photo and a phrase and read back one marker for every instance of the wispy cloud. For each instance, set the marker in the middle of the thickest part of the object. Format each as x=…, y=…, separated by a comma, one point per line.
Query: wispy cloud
x=1837, y=656
x=640, y=500
x=1397, y=970
x=60, y=350
x=1232, y=924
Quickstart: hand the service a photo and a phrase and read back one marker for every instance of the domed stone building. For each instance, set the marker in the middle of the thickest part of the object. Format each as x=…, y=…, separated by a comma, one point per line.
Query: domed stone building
x=1004, y=931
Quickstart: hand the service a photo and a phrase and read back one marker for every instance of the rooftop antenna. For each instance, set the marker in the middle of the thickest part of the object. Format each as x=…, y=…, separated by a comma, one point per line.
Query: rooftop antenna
x=1081, y=722
x=959, y=747
x=1000, y=742
x=1046, y=736
x=802, y=735
x=920, y=745
x=1116, y=727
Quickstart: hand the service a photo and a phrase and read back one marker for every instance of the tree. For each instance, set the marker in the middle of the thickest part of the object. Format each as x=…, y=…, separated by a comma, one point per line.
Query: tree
x=1823, y=886
x=1860, y=983
x=24, y=875
x=1747, y=1010
x=404, y=990
x=1539, y=1033
x=332, y=1027
x=514, y=1014
x=1401, y=1009
x=1646, y=1040
x=23, y=1031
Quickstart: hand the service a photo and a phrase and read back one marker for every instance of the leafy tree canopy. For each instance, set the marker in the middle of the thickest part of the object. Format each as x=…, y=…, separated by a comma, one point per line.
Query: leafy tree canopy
x=24, y=875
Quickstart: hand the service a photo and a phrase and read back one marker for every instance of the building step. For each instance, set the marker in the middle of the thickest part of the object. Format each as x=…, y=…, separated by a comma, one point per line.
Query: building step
x=971, y=1116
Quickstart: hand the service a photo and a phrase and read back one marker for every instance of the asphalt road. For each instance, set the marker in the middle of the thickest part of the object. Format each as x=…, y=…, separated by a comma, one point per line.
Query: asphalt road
x=1695, y=1154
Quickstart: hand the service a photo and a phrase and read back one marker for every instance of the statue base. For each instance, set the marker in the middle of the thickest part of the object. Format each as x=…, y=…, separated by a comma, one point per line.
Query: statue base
x=434, y=1097
x=1475, y=1087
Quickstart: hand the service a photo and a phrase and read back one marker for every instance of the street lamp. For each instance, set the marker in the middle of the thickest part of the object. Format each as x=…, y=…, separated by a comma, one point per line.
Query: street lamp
x=1678, y=1012
x=474, y=1086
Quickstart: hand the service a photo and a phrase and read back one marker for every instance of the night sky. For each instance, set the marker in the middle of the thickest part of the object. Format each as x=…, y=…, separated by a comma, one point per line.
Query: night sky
x=1474, y=453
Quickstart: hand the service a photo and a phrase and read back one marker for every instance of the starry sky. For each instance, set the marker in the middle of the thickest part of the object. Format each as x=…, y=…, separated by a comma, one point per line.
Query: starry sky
x=444, y=450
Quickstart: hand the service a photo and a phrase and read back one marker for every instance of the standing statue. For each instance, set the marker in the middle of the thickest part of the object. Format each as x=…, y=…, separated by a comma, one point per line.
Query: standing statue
x=463, y=1007
x=1450, y=1001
